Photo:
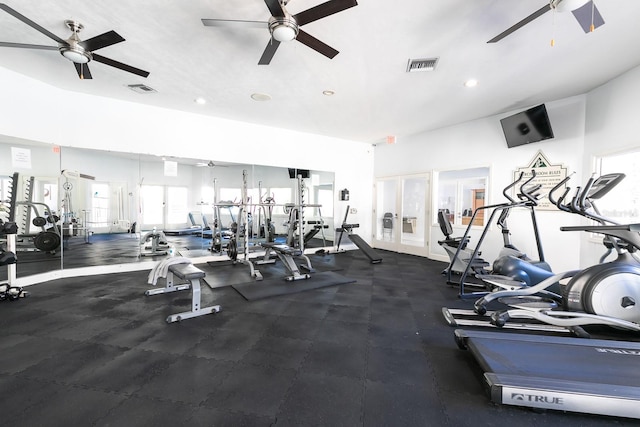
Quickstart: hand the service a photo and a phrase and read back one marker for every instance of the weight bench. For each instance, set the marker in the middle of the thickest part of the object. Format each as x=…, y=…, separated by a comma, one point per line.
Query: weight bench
x=286, y=254
x=193, y=275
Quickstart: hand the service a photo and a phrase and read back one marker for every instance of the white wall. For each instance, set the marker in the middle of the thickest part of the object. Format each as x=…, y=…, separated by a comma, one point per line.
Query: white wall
x=481, y=143
x=612, y=123
x=35, y=111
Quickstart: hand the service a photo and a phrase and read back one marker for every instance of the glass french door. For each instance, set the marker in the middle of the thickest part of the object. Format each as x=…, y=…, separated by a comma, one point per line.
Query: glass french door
x=401, y=214
x=163, y=207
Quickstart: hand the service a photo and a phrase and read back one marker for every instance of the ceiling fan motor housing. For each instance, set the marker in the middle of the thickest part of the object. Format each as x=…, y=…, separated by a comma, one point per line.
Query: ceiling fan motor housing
x=74, y=51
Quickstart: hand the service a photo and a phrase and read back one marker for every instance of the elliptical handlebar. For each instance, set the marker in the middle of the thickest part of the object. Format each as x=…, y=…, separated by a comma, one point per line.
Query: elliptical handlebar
x=585, y=193
x=510, y=186
x=559, y=201
x=528, y=192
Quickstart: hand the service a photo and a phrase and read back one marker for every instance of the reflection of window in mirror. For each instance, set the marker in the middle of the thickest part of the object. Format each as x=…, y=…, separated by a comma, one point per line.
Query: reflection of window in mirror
x=325, y=199
x=460, y=193
x=281, y=197
x=99, y=205
x=230, y=195
x=177, y=205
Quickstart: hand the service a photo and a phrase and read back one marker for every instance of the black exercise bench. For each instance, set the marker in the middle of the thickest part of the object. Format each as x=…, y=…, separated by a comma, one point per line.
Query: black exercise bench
x=286, y=254
x=185, y=272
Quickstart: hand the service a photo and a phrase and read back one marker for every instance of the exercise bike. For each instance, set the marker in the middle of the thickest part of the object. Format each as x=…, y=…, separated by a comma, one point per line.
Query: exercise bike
x=603, y=294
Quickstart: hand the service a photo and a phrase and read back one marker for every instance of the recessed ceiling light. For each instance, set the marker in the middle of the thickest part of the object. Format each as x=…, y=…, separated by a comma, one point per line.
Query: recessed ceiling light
x=260, y=97
x=328, y=92
x=200, y=101
x=471, y=83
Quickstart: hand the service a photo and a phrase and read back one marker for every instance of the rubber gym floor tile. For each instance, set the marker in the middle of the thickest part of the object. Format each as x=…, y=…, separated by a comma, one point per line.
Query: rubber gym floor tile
x=146, y=412
x=398, y=366
x=224, y=344
x=85, y=330
x=322, y=400
x=399, y=320
x=278, y=352
x=31, y=352
x=403, y=405
x=273, y=306
x=207, y=417
x=405, y=339
x=353, y=299
x=54, y=320
x=383, y=290
x=129, y=335
x=307, y=310
x=295, y=327
x=127, y=372
x=252, y=389
x=71, y=365
x=21, y=394
x=336, y=359
x=347, y=313
x=321, y=295
x=188, y=380
x=173, y=338
x=343, y=333
x=249, y=323
x=72, y=407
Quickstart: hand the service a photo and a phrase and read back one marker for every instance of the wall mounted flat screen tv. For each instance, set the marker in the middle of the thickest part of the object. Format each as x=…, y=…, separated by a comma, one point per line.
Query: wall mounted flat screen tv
x=527, y=126
x=293, y=173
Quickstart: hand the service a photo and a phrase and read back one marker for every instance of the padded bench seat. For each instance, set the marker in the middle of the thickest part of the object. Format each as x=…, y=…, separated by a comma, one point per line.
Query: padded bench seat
x=283, y=249
x=186, y=271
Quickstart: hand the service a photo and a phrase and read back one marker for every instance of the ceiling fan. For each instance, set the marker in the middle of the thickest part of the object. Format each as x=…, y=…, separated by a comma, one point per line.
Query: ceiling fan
x=285, y=27
x=75, y=50
x=208, y=164
x=585, y=12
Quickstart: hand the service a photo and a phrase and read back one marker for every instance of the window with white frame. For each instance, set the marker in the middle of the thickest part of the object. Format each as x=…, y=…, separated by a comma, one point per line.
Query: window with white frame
x=622, y=203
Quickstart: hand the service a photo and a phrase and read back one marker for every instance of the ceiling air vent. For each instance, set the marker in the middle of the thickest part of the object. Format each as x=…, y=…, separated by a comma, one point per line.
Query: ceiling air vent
x=426, y=64
x=140, y=88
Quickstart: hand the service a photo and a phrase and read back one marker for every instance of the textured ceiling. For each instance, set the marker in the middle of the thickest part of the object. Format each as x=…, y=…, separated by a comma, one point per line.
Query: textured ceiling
x=374, y=95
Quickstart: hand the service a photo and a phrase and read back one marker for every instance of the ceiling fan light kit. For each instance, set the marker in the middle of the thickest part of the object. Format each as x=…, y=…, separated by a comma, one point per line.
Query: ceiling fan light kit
x=283, y=29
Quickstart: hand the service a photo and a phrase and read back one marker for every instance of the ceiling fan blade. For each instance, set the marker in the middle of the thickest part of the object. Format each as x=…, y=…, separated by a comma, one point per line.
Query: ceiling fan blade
x=27, y=46
x=316, y=44
x=269, y=51
x=275, y=8
x=120, y=65
x=32, y=24
x=103, y=40
x=323, y=10
x=233, y=22
x=544, y=9
x=585, y=18
x=83, y=71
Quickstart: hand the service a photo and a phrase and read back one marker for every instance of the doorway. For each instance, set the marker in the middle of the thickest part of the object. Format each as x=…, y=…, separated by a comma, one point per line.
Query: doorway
x=401, y=214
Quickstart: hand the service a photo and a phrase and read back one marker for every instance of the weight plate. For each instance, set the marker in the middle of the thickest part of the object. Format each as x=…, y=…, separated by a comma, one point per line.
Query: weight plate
x=47, y=241
x=39, y=221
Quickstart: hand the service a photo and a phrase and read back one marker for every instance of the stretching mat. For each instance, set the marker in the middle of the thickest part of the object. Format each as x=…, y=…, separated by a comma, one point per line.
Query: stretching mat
x=266, y=288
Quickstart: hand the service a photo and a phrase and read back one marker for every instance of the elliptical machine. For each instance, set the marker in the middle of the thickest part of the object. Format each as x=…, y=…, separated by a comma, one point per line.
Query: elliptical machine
x=512, y=268
x=603, y=294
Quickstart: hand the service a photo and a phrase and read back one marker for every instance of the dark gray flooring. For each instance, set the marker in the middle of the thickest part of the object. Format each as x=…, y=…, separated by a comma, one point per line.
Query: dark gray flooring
x=94, y=351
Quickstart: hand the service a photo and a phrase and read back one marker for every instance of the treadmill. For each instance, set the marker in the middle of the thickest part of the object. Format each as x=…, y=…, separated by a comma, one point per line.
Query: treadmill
x=549, y=372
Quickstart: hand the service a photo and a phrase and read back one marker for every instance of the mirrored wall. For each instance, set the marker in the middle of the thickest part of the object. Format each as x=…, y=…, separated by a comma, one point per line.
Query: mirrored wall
x=89, y=208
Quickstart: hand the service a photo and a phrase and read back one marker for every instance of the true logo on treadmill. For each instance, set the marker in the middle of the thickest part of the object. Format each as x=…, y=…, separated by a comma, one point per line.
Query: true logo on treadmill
x=537, y=398
x=618, y=351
